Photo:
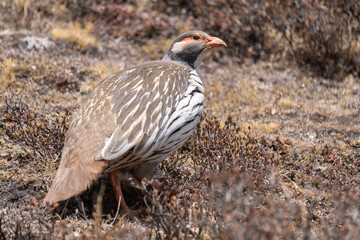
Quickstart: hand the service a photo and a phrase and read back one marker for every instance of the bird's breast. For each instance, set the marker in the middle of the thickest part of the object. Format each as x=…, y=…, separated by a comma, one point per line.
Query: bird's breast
x=184, y=119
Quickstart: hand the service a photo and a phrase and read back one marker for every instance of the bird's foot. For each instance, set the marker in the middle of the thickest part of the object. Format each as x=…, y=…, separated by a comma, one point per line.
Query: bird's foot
x=148, y=184
x=155, y=184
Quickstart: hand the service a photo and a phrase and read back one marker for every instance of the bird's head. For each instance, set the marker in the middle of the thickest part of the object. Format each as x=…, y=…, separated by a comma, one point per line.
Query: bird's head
x=190, y=48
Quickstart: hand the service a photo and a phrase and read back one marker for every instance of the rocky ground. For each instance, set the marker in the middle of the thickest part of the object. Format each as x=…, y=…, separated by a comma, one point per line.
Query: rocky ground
x=277, y=155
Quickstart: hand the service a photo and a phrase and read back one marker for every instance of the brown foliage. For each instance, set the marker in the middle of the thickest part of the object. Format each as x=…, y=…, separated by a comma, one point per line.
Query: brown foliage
x=41, y=136
x=224, y=183
x=323, y=35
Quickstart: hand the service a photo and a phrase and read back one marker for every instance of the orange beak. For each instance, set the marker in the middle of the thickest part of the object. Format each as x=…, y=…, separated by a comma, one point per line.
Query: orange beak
x=215, y=42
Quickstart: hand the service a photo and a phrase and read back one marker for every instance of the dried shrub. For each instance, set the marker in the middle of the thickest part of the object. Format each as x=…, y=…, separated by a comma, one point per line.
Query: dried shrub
x=183, y=208
x=251, y=187
x=126, y=20
x=262, y=210
x=218, y=146
x=177, y=214
x=40, y=136
x=228, y=183
x=29, y=222
x=21, y=230
x=323, y=35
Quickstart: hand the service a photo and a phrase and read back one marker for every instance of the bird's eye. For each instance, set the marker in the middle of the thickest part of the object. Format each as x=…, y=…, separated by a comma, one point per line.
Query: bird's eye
x=196, y=37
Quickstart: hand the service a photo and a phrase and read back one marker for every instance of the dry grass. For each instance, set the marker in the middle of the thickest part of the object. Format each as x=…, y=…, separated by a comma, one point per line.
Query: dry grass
x=284, y=165
x=76, y=34
x=271, y=127
x=21, y=6
x=8, y=70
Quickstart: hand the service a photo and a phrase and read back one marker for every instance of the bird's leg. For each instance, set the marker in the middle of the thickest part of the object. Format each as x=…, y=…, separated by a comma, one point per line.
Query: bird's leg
x=115, y=182
x=156, y=184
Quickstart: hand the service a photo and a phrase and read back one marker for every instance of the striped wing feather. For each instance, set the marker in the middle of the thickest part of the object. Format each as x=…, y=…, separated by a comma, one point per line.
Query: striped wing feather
x=149, y=102
x=124, y=113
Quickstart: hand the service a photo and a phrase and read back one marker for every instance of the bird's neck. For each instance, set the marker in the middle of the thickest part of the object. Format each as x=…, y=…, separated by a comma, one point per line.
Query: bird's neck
x=194, y=65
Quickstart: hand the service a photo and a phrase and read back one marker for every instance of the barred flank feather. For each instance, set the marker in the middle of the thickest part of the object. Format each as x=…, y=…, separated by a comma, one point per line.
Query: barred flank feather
x=174, y=128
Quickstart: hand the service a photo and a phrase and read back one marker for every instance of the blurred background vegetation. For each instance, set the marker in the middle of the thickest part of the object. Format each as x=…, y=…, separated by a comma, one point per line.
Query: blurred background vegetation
x=322, y=36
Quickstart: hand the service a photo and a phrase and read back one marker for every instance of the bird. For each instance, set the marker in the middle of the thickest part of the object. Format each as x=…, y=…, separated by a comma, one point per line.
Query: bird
x=133, y=119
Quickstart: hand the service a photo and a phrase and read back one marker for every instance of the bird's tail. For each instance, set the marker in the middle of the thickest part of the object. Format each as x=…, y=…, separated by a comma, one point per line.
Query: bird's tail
x=71, y=181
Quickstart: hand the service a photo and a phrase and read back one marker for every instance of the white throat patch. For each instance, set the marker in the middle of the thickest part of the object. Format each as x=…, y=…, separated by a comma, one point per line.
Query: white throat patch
x=179, y=46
